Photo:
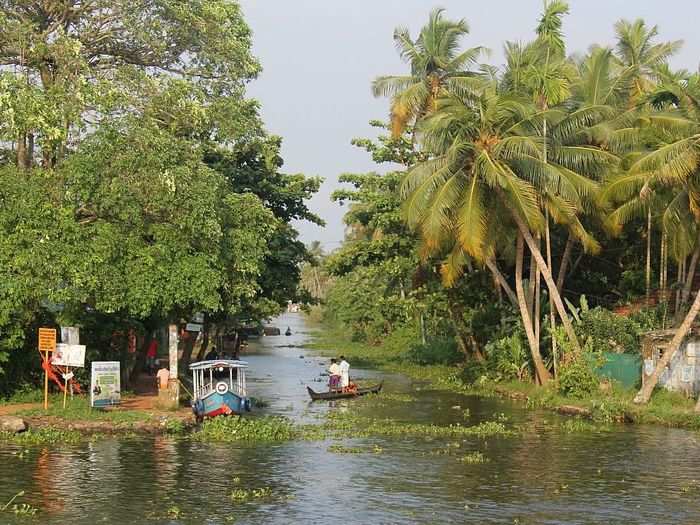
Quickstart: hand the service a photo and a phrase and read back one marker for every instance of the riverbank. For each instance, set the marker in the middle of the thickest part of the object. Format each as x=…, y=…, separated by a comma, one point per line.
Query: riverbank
x=78, y=420
x=612, y=405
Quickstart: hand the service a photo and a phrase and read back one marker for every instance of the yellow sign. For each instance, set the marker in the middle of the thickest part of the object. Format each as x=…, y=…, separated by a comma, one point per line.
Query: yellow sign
x=47, y=339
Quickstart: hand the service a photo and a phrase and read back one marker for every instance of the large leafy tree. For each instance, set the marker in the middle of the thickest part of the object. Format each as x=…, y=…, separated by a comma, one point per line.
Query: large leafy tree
x=254, y=167
x=146, y=173
x=75, y=63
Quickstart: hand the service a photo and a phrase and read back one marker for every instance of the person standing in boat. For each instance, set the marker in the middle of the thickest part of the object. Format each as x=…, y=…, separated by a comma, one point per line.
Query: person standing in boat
x=333, y=376
x=344, y=367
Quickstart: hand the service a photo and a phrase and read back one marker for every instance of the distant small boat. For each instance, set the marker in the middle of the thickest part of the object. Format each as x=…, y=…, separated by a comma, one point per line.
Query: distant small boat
x=315, y=396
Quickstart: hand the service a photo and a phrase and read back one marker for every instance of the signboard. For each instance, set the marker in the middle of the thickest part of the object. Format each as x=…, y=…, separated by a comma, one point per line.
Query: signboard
x=47, y=339
x=104, y=384
x=69, y=355
x=198, y=318
x=193, y=327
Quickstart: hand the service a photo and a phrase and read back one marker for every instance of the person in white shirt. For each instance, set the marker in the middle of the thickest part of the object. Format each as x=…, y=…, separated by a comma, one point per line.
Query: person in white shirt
x=334, y=375
x=344, y=372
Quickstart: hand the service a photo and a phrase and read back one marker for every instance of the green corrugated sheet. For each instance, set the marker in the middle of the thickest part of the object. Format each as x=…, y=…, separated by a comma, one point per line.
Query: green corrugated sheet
x=624, y=368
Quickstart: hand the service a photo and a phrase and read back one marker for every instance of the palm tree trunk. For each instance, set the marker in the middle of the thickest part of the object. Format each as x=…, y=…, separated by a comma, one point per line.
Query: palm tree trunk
x=690, y=276
x=491, y=265
x=644, y=393
x=531, y=287
x=565, y=260
x=648, y=268
x=540, y=369
x=662, y=267
x=552, y=319
x=547, y=274
x=537, y=296
x=680, y=279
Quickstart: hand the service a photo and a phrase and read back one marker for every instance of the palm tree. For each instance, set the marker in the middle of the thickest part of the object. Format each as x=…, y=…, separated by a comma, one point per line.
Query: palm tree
x=641, y=56
x=437, y=66
x=487, y=169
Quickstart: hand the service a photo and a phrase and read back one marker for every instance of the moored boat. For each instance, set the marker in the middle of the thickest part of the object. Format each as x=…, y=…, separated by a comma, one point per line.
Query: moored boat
x=315, y=396
x=219, y=388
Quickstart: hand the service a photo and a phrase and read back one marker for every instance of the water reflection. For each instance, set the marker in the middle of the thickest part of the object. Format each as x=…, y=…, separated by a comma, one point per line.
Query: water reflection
x=630, y=475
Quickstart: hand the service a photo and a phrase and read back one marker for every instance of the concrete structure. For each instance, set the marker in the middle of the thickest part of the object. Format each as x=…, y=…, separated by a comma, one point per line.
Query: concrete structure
x=683, y=372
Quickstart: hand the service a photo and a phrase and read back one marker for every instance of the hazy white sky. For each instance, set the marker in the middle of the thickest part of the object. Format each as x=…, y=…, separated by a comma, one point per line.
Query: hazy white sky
x=320, y=56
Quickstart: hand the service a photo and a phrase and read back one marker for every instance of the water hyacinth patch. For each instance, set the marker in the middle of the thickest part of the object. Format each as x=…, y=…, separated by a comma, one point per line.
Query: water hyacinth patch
x=474, y=458
x=259, y=429
x=44, y=436
x=240, y=495
x=340, y=449
x=352, y=425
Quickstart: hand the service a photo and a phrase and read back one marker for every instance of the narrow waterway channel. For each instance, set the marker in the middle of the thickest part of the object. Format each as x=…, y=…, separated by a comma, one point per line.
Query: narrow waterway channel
x=546, y=474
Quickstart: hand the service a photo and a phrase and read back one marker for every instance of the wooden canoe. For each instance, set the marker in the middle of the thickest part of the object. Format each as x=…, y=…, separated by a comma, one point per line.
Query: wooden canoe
x=344, y=395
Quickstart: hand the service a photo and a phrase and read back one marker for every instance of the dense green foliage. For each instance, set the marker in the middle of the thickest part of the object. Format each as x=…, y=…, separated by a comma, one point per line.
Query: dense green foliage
x=138, y=185
x=514, y=194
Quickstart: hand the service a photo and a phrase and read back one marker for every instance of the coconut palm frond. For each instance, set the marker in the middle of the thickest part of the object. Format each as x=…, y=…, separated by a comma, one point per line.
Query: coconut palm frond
x=452, y=268
x=675, y=161
x=471, y=220
x=387, y=86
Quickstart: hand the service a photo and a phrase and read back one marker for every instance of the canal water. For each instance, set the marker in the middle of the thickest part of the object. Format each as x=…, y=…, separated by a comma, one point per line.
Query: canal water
x=545, y=475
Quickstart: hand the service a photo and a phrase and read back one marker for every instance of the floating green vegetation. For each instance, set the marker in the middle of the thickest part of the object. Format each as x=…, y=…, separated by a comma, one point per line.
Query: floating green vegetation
x=384, y=397
x=175, y=426
x=44, y=436
x=240, y=495
x=474, y=458
x=690, y=486
x=573, y=426
x=18, y=509
x=234, y=428
x=347, y=424
x=340, y=449
x=450, y=449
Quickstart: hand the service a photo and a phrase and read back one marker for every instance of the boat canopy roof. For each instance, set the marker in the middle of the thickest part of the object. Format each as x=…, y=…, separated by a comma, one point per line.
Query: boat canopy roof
x=218, y=363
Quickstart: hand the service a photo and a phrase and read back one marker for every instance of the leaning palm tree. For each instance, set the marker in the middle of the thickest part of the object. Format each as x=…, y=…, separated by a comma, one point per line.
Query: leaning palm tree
x=486, y=168
x=437, y=66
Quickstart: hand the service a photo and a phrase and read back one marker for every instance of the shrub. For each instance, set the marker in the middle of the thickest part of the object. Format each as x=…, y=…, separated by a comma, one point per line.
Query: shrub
x=577, y=378
x=509, y=357
x=435, y=352
x=609, y=332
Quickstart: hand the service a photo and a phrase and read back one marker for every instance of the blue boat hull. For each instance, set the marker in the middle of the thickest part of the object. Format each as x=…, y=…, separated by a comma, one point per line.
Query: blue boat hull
x=216, y=404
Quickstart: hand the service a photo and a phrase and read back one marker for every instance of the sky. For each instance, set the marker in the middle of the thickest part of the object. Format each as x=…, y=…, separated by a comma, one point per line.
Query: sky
x=319, y=58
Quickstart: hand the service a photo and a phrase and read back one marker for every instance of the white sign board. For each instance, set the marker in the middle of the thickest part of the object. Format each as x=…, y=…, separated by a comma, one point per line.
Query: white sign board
x=69, y=355
x=104, y=384
x=193, y=327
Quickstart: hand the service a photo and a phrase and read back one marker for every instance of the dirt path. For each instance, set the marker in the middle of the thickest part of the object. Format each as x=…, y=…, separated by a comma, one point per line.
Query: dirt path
x=7, y=410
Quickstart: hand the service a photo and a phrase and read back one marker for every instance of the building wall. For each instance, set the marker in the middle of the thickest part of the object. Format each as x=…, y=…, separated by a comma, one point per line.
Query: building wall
x=683, y=373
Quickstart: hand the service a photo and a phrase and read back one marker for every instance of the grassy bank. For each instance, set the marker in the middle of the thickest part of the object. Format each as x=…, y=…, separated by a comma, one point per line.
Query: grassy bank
x=613, y=405
x=78, y=421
